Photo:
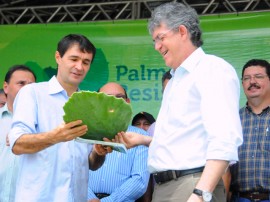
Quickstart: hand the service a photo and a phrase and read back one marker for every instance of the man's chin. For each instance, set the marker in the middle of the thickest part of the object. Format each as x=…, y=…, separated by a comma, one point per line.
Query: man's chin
x=75, y=82
x=252, y=96
x=77, y=79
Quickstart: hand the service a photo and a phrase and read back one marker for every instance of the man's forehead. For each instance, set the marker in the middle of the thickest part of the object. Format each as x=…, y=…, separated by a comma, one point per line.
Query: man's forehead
x=112, y=90
x=256, y=68
x=141, y=119
x=21, y=75
x=75, y=50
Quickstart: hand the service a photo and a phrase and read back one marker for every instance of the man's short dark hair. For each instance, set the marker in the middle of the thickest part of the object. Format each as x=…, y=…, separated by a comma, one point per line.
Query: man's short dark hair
x=16, y=68
x=257, y=62
x=84, y=44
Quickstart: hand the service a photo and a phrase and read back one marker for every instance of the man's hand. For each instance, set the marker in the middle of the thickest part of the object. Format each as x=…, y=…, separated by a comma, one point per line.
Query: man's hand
x=102, y=150
x=97, y=156
x=29, y=143
x=131, y=139
x=68, y=131
x=94, y=200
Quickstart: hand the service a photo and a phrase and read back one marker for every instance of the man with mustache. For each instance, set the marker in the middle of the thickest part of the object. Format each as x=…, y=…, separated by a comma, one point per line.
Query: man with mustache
x=250, y=176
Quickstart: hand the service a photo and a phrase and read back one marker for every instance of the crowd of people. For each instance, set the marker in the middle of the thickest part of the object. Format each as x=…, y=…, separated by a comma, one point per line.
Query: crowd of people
x=202, y=147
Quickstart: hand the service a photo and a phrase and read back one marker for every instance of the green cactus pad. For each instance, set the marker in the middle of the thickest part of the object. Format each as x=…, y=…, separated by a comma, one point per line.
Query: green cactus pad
x=105, y=115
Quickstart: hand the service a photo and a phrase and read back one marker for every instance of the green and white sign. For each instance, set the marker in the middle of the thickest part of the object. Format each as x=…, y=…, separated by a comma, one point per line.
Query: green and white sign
x=125, y=52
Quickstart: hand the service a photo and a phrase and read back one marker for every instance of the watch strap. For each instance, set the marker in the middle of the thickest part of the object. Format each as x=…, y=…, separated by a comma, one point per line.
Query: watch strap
x=198, y=192
x=207, y=196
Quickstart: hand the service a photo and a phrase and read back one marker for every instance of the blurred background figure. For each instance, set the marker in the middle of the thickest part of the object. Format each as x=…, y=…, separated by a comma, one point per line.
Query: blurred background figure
x=16, y=77
x=3, y=97
x=143, y=120
x=165, y=79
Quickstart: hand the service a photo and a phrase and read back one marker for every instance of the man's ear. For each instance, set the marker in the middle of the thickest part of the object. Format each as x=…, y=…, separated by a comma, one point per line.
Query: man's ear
x=5, y=87
x=183, y=30
x=128, y=100
x=57, y=57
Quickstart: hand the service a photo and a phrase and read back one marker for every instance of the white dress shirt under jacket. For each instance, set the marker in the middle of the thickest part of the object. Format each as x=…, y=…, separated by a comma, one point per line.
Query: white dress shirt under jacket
x=199, y=115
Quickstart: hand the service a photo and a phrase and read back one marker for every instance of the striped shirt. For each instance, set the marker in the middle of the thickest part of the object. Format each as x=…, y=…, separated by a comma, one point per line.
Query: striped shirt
x=123, y=176
x=252, y=172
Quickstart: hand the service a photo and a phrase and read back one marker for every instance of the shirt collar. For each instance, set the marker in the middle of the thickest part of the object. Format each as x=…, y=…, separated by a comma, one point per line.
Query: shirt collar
x=190, y=63
x=4, y=111
x=54, y=86
x=265, y=110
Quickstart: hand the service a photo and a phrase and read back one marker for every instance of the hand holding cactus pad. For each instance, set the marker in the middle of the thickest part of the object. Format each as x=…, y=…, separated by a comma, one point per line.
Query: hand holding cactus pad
x=105, y=115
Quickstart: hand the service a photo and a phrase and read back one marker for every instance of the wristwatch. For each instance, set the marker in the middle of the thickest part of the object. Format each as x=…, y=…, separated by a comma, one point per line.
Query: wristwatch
x=207, y=196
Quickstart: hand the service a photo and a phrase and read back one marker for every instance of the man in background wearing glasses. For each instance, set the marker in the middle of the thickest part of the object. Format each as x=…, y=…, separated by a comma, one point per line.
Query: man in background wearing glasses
x=250, y=176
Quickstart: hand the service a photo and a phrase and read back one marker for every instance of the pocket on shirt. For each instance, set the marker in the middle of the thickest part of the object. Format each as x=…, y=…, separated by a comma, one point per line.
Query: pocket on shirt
x=265, y=143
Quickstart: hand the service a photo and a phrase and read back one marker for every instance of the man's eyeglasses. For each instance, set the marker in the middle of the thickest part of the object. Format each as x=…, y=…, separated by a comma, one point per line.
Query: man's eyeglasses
x=257, y=77
x=160, y=37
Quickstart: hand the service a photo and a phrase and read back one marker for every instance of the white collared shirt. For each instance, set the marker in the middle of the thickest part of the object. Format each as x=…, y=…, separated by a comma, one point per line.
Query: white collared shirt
x=199, y=115
x=59, y=172
x=8, y=161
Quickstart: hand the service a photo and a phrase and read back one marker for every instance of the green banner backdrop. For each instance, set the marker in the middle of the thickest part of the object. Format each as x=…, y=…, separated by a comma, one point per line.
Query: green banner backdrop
x=125, y=53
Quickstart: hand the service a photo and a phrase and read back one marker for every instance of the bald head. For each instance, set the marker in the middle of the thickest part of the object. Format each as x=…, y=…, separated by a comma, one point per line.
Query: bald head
x=114, y=89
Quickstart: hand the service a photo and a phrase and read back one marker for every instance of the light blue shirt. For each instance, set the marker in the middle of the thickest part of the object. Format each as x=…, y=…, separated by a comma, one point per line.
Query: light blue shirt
x=123, y=176
x=8, y=161
x=199, y=115
x=59, y=172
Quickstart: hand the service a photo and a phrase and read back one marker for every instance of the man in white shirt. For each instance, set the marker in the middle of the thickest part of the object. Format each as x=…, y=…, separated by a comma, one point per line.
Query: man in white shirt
x=53, y=166
x=16, y=77
x=198, y=129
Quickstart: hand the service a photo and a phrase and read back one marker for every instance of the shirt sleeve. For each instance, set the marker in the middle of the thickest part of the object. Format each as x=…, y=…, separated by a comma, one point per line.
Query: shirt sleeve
x=24, y=104
x=221, y=112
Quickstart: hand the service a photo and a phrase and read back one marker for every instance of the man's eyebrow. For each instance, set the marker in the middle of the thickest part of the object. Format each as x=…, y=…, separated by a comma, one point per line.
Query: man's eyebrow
x=21, y=81
x=76, y=57
x=87, y=60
